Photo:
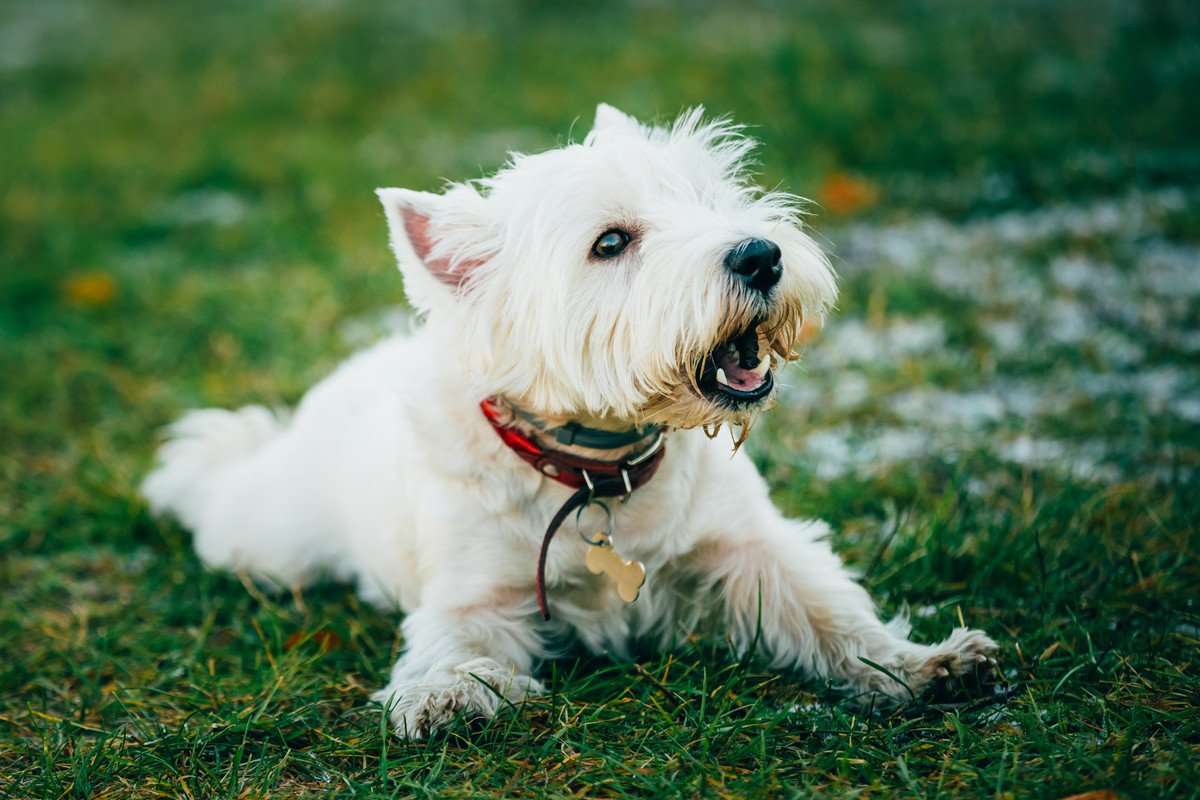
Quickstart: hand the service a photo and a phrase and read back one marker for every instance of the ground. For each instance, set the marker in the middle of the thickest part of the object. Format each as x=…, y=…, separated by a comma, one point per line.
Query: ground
x=1002, y=419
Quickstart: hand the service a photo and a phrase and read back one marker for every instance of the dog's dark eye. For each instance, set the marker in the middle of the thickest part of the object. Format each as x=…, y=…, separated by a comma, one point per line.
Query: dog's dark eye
x=611, y=243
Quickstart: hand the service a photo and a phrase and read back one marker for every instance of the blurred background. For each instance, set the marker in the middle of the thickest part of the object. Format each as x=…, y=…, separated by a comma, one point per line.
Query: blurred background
x=187, y=217
x=1009, y=189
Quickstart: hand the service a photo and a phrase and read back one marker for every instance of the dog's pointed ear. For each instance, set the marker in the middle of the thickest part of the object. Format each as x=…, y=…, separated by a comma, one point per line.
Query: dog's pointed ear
x=440, y=240
x=609, y=118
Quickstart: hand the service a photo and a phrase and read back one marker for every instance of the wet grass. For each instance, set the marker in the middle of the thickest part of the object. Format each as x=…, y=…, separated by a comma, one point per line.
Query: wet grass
x=186, y=219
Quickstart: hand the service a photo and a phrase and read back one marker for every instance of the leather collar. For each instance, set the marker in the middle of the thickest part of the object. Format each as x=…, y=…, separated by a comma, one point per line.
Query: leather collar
x=603, y=478
x=572, y=433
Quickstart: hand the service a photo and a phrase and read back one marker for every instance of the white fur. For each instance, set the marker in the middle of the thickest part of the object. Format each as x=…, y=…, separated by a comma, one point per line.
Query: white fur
x=388, y=474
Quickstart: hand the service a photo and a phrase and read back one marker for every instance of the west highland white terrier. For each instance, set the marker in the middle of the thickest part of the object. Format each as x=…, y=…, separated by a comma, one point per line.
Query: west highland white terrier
x=590, y=313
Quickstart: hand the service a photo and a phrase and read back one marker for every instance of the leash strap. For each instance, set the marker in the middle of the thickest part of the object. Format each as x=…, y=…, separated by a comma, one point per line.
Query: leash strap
x=578, y=500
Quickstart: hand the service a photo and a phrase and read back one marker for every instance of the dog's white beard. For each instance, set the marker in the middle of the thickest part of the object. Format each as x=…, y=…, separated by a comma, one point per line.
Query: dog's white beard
x=629, y=346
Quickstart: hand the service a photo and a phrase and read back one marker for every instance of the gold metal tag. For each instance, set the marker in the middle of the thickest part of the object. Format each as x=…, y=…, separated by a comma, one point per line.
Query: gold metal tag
x=628, y=575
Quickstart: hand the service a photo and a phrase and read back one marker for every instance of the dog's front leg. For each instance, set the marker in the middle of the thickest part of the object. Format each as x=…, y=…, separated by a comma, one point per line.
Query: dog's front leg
x=782, y=587
x=460, y=659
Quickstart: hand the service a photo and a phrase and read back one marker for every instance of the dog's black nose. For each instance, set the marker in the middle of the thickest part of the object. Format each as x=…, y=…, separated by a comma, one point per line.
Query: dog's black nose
x=756, y=262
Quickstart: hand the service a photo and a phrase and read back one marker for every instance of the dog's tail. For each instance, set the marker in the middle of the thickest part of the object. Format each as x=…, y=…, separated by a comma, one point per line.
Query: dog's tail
x=199, y=446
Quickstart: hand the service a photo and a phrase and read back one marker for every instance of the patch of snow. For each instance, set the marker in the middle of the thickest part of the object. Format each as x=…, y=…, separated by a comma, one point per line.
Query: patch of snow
x=1187, y=408
x=834, y=452
x=850, y=390
x=1007, y=335
x=205, y=206
x=1096, y=288
x=828, y=453
x=1081, y=462
x=940, y=408
x=853, y=341
x=1068, y=321
x=1170, y=270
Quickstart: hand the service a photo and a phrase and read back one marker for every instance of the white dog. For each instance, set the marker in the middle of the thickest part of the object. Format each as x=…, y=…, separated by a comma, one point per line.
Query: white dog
x=589, y=312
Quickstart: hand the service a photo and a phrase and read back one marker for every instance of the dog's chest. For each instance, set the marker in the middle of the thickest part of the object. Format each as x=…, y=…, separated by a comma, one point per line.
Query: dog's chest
x=601, y=568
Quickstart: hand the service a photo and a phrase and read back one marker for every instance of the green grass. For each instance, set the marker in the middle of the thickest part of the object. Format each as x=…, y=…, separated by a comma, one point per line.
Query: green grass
x=210, y=165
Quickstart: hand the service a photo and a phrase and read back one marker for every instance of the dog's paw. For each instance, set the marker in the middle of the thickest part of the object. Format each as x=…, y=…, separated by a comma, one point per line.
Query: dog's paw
x=477, y=688
x=965, y=652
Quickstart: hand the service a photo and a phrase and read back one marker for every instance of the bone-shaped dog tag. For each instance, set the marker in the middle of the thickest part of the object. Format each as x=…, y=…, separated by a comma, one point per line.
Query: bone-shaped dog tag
x=628, y=575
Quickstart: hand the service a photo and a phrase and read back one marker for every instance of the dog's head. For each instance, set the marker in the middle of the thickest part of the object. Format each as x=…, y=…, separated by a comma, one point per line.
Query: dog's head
x=638, y=276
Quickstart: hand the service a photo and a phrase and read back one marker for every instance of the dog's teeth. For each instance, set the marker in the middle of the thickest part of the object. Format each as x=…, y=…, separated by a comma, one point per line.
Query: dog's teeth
x=762, y=367
x=721, y=379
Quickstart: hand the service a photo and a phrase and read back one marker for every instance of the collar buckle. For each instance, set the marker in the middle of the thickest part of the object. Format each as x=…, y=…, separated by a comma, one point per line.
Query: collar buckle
x=649, y=451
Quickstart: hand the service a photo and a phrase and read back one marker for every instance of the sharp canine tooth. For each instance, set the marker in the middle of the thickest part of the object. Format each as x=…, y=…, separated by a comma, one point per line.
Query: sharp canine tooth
x=762, y=367
x=721, y=377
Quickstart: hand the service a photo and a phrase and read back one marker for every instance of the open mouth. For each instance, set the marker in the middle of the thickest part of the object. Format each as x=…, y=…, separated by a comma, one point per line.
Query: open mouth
x=737, y=371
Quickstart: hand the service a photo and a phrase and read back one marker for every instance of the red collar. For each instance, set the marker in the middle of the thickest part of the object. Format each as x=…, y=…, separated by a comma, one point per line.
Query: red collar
x=604, y=478
x=590, y=478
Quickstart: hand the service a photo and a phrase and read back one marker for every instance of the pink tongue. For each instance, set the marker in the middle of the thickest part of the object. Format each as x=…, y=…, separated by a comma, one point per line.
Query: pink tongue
x=741, y=379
